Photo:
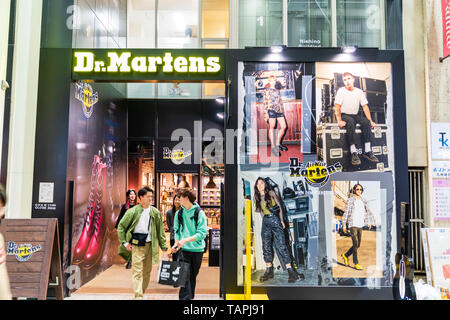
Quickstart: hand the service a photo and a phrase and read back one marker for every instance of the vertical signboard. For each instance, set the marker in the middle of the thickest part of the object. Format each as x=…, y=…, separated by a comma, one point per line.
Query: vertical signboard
x=440, y=166
x=446, y=27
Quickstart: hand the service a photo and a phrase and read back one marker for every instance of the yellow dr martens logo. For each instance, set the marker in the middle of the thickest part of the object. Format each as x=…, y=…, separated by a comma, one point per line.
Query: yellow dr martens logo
x=87, y=96
x=177, y=156
x=23, y=252
x=315, y=173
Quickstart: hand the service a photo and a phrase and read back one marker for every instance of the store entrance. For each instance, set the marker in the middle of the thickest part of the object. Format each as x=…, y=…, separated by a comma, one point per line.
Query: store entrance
x=165, y=144
x=177, y=144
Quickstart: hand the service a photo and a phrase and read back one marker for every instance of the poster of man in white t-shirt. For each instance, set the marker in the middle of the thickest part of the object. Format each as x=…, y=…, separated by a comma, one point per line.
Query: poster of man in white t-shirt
x=347, y=102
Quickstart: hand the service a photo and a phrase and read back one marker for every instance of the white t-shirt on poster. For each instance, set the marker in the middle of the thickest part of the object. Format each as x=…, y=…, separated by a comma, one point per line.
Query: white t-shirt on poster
x=358, y=214
x=350, y=100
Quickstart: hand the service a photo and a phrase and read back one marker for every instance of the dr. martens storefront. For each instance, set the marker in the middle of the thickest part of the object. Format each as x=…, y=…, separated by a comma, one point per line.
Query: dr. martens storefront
x=301, y=167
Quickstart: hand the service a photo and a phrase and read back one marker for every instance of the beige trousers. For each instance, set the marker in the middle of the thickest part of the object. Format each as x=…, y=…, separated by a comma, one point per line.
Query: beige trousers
x=141, y=260
x=5, y=291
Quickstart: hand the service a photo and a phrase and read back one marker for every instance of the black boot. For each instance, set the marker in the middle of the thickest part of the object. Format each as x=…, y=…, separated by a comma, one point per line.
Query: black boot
x=267, y=275
x=283, y=147
x=293, y=275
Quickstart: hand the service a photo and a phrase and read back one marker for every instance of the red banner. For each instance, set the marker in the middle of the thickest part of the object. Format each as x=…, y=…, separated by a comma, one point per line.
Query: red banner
x=446, y=26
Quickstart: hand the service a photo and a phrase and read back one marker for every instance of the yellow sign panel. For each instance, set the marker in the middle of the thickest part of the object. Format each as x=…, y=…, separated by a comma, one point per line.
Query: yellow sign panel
x=125, y=62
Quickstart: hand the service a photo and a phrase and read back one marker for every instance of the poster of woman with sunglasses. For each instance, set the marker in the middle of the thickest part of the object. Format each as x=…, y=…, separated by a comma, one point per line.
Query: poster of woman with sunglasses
x=357, y=211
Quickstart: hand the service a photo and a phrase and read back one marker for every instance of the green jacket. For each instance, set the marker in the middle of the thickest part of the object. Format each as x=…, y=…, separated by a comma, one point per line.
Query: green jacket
x=129, y=222
x=190, y=229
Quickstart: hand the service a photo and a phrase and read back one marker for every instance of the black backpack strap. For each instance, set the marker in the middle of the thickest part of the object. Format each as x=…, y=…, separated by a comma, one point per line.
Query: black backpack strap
x=196, y=213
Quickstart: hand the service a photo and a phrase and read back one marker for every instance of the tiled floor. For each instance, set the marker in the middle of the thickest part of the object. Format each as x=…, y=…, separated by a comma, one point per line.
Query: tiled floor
x=115, y=284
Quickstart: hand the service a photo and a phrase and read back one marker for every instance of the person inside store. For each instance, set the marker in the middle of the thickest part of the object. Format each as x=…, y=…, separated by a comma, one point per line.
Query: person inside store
x=274, y=115
x=347, y=102
x=141, y=232
x=190, y=228
x=170, y=215
x=272, y=231
x=5, y=290
x=357, y=215
x=130, y=203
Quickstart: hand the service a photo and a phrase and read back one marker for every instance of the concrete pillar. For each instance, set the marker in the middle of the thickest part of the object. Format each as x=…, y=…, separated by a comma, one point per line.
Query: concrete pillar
x=23, y=108
x=4, y=32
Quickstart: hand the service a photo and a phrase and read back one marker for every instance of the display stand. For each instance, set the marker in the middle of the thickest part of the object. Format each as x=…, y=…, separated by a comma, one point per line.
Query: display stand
x=33, y=257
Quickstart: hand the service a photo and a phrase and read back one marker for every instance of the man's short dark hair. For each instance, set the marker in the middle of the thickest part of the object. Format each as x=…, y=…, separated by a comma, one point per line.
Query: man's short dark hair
x=348, y=74
x=148, y=189
x=143, y=191
x=189, y=194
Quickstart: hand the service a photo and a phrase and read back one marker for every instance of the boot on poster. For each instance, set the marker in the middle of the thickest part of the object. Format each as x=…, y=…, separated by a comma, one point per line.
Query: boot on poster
x=94, y=250
x=88, y=228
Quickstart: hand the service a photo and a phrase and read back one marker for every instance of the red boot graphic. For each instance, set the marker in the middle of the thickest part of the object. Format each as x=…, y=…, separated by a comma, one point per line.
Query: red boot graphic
x=94, y=251
x=88, y=228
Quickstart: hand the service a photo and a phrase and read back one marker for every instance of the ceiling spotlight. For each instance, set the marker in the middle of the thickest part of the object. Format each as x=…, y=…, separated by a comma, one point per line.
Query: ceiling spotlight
x=220, y=115
x=220, y=100
x=277, y=49
x=349, y=49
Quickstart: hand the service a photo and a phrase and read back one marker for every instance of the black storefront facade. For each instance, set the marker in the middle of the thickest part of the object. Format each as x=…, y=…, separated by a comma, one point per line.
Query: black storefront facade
x=60, y=146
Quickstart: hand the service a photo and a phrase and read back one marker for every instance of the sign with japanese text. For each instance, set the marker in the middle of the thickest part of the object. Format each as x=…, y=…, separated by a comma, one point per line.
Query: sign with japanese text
x=441, y=199
x=440, y=169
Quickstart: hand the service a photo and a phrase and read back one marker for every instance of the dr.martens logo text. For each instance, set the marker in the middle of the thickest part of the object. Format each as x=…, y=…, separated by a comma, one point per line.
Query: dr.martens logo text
x=23, y=252
x=315, y=173
x=126, y=62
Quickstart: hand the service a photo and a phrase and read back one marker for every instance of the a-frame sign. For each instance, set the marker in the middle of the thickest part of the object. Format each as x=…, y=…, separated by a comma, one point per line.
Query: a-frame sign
x=33, y=257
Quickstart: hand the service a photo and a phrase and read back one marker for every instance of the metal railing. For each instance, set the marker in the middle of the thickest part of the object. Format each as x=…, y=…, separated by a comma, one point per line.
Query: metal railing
x=417, y=207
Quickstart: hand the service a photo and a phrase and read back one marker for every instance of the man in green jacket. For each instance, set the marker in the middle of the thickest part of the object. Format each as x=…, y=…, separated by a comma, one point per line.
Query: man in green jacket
x=189, y=237
x=146, y=220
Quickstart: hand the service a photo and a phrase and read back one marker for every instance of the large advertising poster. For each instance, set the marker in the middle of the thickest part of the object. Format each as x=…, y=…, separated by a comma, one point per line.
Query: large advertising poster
x=316, y=171
x=97, y=160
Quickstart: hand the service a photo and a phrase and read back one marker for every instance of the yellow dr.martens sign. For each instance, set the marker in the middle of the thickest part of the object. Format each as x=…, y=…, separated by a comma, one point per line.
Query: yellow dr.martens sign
x=128, y=65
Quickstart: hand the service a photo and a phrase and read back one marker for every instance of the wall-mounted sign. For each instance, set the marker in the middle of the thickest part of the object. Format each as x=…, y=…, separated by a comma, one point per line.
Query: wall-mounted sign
x=177, y=156
x=141, y=64
x=441, y=199
x=46, y=190
x=87, y=96
x=440, y=140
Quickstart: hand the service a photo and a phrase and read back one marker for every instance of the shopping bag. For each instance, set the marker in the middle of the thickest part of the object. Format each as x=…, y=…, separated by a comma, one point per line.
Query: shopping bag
x=173, y=273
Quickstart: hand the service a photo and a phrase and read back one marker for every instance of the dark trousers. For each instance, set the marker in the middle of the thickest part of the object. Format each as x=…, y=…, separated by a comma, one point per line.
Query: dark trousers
x=351, y=121
x=195, y=261
x=272, y=232
x=356, y=241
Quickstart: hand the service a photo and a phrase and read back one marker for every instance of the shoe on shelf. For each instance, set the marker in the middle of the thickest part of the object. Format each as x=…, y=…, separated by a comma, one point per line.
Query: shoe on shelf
x=345, y=259
x=370, y=156
x=355, y=159
x=267, y=275
x=358, y=267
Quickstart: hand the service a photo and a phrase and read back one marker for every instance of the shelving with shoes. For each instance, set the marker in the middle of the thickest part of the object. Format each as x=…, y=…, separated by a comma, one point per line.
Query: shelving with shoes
x=210, y=193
